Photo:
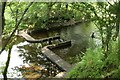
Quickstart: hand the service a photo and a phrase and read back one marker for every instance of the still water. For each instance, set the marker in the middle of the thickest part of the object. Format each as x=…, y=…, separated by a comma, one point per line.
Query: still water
x=25, y=55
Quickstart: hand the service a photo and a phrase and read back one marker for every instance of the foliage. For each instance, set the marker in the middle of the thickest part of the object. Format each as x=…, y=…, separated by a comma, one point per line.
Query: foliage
x=107, y=23
x=101, y=62
x=47, y=13
x=90, y=66
x=40, y=15
x=2, y=67
x=95, y=65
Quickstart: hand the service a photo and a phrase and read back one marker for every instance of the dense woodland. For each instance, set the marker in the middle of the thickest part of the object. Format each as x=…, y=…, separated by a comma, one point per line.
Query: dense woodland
x=101, y=61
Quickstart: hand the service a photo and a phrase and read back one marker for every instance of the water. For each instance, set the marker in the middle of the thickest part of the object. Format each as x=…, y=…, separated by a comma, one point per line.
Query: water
x=80, y=35
x=15, y=60
x=25, y=56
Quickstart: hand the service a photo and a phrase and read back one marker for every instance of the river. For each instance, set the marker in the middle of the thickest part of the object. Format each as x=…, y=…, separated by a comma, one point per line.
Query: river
x=26, y=54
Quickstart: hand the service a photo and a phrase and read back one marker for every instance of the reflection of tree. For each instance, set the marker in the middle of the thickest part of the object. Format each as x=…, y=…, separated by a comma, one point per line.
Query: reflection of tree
x=79, y=45
x=31, y=54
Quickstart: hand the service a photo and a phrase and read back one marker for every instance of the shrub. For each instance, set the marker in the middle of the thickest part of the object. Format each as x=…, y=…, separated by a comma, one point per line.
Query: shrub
x=95, y=65
x=90, y=66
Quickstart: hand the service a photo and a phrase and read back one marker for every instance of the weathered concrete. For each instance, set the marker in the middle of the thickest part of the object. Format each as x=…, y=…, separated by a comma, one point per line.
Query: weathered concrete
x=26, y=36
x=60, y=75
x=60, y=45
x=56, y=59
x=32, y=40
x=44, y=39
x=46, y=50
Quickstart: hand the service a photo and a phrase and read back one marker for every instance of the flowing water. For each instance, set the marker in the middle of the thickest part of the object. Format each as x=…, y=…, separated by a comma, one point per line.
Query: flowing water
x=25, y=56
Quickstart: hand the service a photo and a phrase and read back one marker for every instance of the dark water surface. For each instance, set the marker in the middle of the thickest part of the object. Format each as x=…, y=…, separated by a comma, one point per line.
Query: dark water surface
x=79, y=36
x=26, y=55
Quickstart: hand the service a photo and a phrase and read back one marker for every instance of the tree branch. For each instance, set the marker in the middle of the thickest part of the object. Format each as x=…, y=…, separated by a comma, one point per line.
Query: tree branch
x=16, y=27
x=11, y=9
x=7, y=64
x=3, y=10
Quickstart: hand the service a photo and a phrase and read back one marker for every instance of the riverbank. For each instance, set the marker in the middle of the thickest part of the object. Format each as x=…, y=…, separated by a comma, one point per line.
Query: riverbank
x=56, y=25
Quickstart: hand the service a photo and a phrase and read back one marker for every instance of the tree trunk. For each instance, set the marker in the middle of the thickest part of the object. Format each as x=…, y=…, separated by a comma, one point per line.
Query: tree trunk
x=16, y=27
x=3, y=11
x=66, y=7
x=119, y=44
x=0, y=19
x=118, y=15
x=7, y=64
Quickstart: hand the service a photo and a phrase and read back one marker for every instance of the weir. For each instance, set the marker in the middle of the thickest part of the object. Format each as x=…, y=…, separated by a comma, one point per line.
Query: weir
x=30, y=39
x=47, y=49
x=56, y=59
x=26, y=36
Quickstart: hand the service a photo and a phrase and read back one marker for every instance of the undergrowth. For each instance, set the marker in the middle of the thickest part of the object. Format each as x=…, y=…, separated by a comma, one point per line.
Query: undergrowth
x=94, y=65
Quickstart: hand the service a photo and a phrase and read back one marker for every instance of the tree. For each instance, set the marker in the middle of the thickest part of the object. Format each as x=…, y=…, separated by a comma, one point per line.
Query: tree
x=103, y=61
x=16, y=26
x=3, y=19
x=17, y=23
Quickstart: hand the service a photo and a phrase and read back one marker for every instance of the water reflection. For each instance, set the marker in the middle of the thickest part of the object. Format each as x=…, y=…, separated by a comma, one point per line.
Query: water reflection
x=15, y=60
x=32, y=55
x=79, y=36
x=26, y=57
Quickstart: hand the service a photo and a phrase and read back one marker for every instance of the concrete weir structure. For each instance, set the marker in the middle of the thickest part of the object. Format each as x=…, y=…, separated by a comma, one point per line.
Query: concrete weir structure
x=30, y=39
x=56, y=59
x=46, y=50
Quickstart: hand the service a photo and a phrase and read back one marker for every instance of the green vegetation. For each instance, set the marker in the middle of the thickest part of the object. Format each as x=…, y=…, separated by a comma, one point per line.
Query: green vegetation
x=95, y=65
x=103, y=61
x=99, y=62
x=41, y=15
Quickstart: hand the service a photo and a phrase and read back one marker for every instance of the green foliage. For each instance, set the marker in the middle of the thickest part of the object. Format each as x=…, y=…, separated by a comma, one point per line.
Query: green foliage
x=112, y=60
x=13, y=12
x=42, y=14
x=90, y=66
x=2, y=67
x=95, y=65
x=117, y=73
x=107, y=23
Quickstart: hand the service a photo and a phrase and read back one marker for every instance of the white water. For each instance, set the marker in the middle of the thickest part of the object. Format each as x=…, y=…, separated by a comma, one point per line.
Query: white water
x=15, y=60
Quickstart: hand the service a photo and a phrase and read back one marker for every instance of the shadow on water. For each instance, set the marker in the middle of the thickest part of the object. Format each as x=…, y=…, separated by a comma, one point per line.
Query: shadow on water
x=27, y=61
x=79, y=36
x=27, y=58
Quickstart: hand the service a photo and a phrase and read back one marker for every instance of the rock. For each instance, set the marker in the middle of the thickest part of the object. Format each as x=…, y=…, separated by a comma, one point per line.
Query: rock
x=60, y=75
x=32, y=75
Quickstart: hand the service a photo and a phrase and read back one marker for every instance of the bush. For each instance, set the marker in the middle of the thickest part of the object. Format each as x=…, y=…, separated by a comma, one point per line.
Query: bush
x=95, y=65
x=90, y=66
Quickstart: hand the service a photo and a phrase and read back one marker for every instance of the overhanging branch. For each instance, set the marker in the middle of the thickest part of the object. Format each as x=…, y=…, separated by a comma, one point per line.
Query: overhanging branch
x=16, y=27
